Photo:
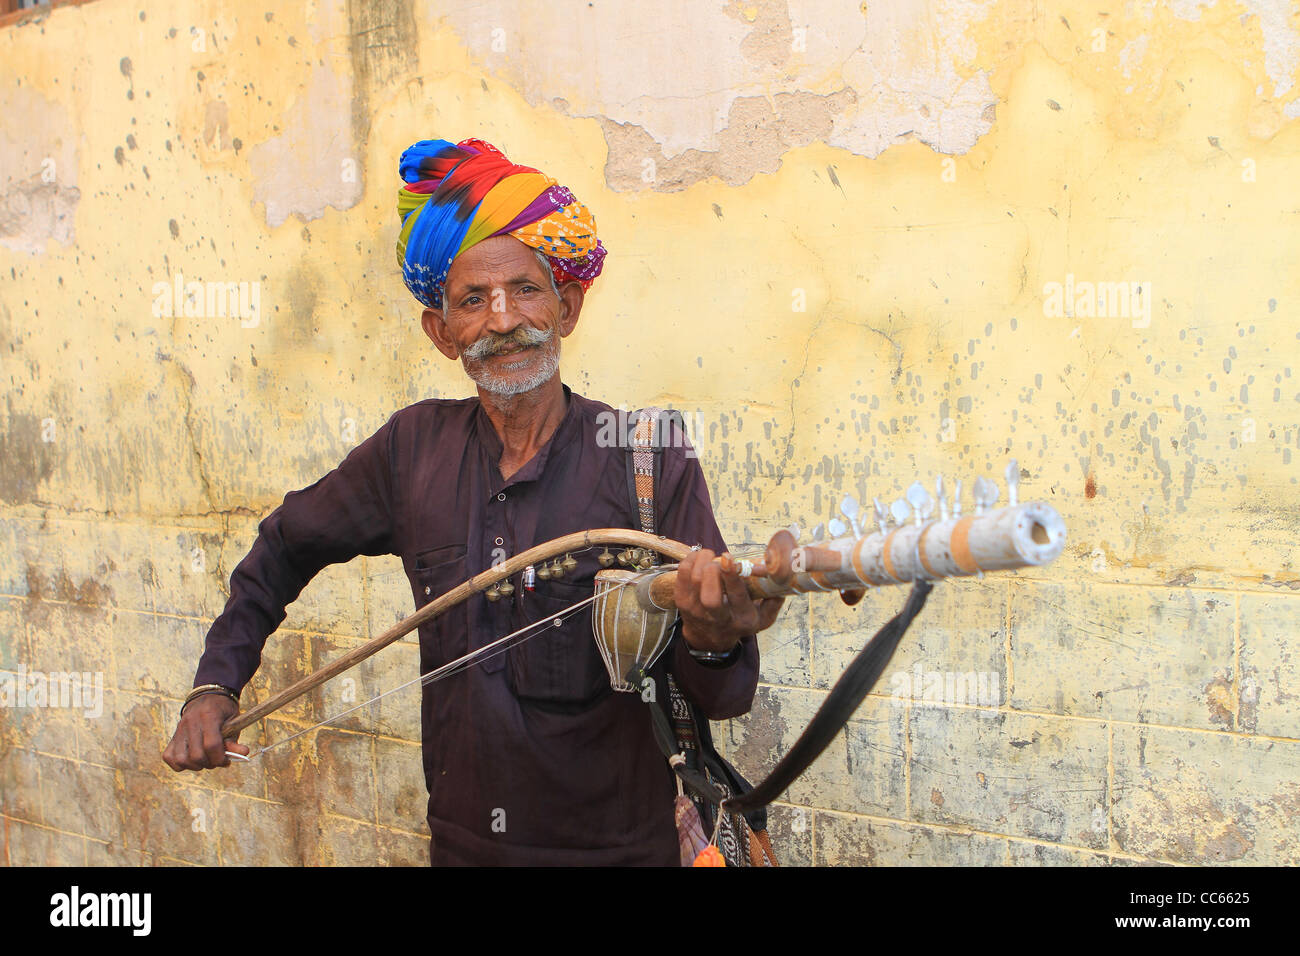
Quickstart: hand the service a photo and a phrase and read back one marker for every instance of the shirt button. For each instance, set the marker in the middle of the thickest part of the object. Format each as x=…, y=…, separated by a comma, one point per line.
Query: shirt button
x=428, y=590
x=499, y=541
x=501, y=497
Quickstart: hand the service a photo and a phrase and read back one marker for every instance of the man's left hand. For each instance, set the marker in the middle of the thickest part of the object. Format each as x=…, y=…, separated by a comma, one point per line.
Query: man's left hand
x=716, y=608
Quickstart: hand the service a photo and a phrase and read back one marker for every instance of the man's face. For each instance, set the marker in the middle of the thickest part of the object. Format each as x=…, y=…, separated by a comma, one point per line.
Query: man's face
x=502, y=317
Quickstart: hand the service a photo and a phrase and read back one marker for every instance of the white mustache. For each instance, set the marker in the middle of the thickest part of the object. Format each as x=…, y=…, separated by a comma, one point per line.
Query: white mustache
x=492, y=343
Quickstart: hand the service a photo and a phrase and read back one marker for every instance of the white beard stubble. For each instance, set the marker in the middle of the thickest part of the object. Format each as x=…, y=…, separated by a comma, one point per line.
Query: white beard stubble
x=499, y=383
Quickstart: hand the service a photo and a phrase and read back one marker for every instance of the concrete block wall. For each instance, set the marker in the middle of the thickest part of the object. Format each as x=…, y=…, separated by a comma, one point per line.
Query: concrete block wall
x=856, y=244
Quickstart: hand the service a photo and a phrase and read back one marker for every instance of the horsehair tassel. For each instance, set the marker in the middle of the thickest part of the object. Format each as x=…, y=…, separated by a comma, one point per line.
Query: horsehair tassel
x=841, y=703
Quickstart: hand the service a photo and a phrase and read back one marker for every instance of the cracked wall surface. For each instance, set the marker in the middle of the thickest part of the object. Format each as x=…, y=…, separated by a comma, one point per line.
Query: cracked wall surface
x=855, y=244
x=38, y=171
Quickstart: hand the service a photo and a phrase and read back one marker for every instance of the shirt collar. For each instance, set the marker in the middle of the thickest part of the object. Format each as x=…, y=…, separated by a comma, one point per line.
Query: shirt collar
x=569, y=428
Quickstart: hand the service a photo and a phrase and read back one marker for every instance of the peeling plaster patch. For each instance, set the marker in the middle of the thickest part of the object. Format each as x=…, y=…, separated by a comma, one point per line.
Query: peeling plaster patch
x=1130, y=58
x=1219, y=700
x=303, y=170
x=1281, y=43
x=316, y=162
x=757, y=135
x=897, y=72
x=625, y=49
x=769, y=42
x=906, y=71
x=38, y=172
x=1189, y=9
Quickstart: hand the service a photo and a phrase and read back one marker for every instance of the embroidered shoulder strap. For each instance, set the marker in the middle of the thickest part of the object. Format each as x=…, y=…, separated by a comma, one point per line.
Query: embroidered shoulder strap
x=741, y=844
x=650, y=431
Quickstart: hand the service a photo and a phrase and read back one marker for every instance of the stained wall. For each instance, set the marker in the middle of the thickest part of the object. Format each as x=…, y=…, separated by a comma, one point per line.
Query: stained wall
x=857, y=244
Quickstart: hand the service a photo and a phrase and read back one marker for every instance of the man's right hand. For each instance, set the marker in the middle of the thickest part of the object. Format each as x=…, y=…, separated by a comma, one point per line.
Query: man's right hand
x=197, y=743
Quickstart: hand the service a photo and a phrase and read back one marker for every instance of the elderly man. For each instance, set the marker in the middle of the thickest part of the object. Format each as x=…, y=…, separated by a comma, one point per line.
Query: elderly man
x=529, y=758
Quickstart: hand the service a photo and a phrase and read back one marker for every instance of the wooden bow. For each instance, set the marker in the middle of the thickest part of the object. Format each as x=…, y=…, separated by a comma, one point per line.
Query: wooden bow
x=481, y=582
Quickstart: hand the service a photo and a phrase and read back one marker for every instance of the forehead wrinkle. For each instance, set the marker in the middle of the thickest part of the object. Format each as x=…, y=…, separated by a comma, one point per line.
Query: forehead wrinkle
x=517, y=280
x=494, y=255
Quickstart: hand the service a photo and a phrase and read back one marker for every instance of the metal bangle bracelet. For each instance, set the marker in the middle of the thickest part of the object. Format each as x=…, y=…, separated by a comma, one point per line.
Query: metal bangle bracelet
x=204, y=691
x=204, y=688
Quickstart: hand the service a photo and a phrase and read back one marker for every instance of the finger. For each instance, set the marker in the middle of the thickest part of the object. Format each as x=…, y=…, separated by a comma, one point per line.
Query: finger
x=194, y=738
x=744, y=614
x=228, y=714
x=682, y=583
x=768, y=609
x=687, y=589
x=180, y=750
x=711, y=594
x=236, y=747
x=703, y=559
x=170, y=756
x=214, y=746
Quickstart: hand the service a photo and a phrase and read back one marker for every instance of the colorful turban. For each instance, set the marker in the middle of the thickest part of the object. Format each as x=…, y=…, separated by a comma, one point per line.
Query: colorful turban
x=457, y=196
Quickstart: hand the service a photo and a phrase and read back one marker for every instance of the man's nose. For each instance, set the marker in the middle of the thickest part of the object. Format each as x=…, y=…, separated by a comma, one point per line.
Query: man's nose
x=503, y=315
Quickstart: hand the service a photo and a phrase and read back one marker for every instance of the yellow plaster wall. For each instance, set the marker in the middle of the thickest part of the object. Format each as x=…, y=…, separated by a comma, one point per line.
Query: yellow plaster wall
x=840, y=305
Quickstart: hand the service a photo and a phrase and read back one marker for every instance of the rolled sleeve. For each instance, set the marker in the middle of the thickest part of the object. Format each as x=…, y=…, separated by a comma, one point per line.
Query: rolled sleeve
x=719, y=692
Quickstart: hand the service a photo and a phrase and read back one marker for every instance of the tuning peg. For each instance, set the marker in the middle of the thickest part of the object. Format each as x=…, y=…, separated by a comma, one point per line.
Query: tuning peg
x=819, y=532
x=836, y=527
x=849, y=507
x=898, y=511
x=795, y=530
x=956, y=499
x=986, y=494
x=882, y=516
x=921, y=502
x=943, y=502
x=1013, y=482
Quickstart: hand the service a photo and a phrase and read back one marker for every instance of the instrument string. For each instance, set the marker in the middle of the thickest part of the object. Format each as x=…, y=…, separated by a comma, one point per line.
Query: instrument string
x=484, y=653
x=451, y=668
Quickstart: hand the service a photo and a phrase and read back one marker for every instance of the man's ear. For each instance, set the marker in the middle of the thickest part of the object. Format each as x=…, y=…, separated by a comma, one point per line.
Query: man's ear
x=571, y=300
x=436, y=329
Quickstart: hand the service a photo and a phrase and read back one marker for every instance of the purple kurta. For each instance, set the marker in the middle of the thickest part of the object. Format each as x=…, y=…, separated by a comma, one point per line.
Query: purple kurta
x=530, y=757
